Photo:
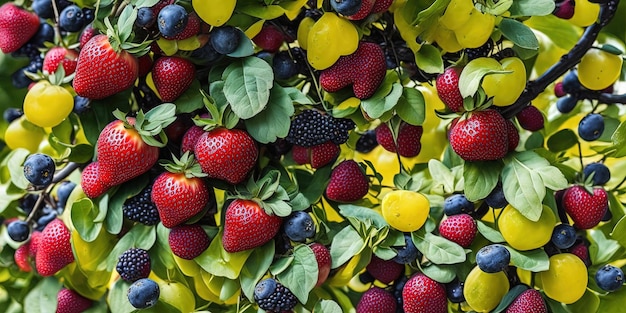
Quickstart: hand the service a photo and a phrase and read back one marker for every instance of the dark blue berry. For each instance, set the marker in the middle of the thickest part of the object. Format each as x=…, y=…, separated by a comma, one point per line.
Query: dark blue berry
x=566, y=104
x=607, y=215
x=299, y=226
x=482, y=51
x=367, y=142
x=454, y=291
x=10, y=114
x=28, y=202
x=72, y=19
x=346, y=7
x=18, y=230
x=571, y=84
x=39, y=169
x=272, y=296
x=45, y=219
x=610, y=278
x=172, y=20
x=81, y=104
x=140, y=208
x=64, y=190
x=205, y=55
x=601, y=173
x=563, y=236
x=88, y=13
x=225, y=39
x=266, y=56
x=19, y=79
x=496, y=198
x=133, y=264
x=45, y=33
x=493, y=258
x=591, y=127
x=457, y=204
x=145, y=17
x=43, y=8
x=143, y=293
x=407, y=253
x=284, y=66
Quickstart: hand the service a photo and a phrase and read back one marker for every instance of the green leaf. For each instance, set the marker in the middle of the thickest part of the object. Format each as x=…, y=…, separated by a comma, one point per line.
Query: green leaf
x=619, y=231
x=161, y=252
x=190, y=100
x=83, y=213
x=442, y=175
x=313, y=185
x=619, y=141
x=411, y=106
x=247, y=84
x=495, y=7
x=601, y=249
x=379, y=104
x=139, y=236
x=509, y=297
x=125, y=23
x=273, y=122
x=429, y=59
x=534, y=260
x=480, y=178
x=15, y=166
x=43, y=298
x=255, y=267
x=346, y=244
x=560, y=31
x=245, y=47
x=362, y=213
x=261, y=11
x=327, y=306
x=489, y=233
x=301, y=275
x=532, y=7
x=438, y=249
x=219, y=262
x=145, y=3
x=118, y=297
x=440, y=273
x=589, y=302
x=520, y=34
x=562, y=140
x=473, y=73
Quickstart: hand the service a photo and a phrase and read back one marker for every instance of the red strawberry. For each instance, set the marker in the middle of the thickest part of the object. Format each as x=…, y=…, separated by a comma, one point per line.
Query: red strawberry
x=160, y=5
x=172, y=77
x=34, y=243
x=530, y=118
x=512, y=135
x=248, y=226
x=365, y=69
x=60, y=55
x=364, y=10
x=582, y=251
x=529, y=301
x=17, y=26
x=381, y=6
x=347, y=182
x=385, y=271
x=322, y=256
x=91, y=183
x=226, y=154
x=460, y=228
x=188, y=241
x=585, y=208
x=318, y=156
x=448, y=91
x=178, y=197
x=22, y=257
x=376, y=300
x=190, y=138
x=191, y=29
x=88, y=33
x=269, y=38
x=407, y=142
x=102, y=70
x=144, y=64
x=421, y=294
x=482, y=136
x=69, y=301
x=54, y=250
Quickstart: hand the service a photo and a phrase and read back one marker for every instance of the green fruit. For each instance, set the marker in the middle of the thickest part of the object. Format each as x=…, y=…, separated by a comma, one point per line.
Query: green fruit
x=483, y=291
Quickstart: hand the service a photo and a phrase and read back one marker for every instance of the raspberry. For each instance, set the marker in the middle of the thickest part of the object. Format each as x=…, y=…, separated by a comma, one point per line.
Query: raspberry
x=273, y=297
x=140, y=208
x=311, y=128
x=134, y=264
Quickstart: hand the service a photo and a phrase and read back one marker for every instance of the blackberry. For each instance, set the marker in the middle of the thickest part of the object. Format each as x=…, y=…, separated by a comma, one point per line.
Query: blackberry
x=140, y=208
x=133, y=264
x=273, y=297
x=367, y=142
x=311, y=128
x=482, y=51
x=504, y=53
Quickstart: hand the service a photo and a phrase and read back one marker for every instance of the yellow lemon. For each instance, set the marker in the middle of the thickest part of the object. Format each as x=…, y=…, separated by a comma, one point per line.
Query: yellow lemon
x=405, y=210
x=484, y=291
x=566, y=280
x=524, y=234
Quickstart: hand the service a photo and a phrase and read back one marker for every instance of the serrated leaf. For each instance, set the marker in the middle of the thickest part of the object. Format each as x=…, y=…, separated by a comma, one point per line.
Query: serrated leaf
x=346, y=244
x=480, y=178
x=489, y=233
x=520, y=34
x=273, y=122
x=301, y=275
x=473, y=73
x=247, y=84
x=438, y=249
x=362, y=213
x=534, y=260
x=411, y=106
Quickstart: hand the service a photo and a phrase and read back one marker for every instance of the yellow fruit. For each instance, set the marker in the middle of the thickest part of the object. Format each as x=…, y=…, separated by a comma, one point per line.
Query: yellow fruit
x=47, y=105
x=23, y=134
x=405, y=210
x=214, y=12
x=329, y=38
x=506, y=88
x=483, y=291
x=188, y=267
x=599, y=69
x=476, y=30
x=566, y=280
x=457, y=14
x=585, y=13
x=446, y=39
x=524, y=234
x=304, y=28
x=175, y=294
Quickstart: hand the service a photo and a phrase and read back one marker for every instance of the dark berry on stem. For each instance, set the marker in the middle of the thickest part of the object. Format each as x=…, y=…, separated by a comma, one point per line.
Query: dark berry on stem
x=19, y=79
x=64, y=190
x=145, y=17
x=407, y=253
x=454, y=291
x=457, y=204
x=43, y=8
x=45, y=219
x=39, y=169
x=18, y=230
x=571, y=84
x=496, y=198
x=140, y=208
x=284, y=66
x=272, y=296
x=566, y=104
x=133, y=264
x=225, y=39
x=493, y=258
x=299, y=226
x=172, y=20
x=601, y=173
x=346, y=7
x=72, y=19
x=591, y=127
x=143, y=293
x=367, y=142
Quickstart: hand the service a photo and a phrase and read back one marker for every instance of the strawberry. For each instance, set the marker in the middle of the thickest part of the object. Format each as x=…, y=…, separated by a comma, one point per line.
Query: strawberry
x=54, y=250
x=385, y=271
x=381, y=6
x=22, y=257
x=347, y=182
x=376, y=300
x=172, y=76
x=365, y=69
x=104, y=70
x=69, y=301
x=270, y=38
x=482, y=136
x=586, y=208
x=180, y=194
x=247, y=226
x=86, y=35
x=421, y=294
x=190, y=138
x=17, y=26
x=144, y=64
x=318, y=155
x=448, y=91
x=322, y=256
x=529, y=301
x=512, y=135
x=191, y=29
x=364, y=10
x=582, y=251
x=35, y=237
x=530, y=118
x=60, y=55
x=226, y=154
x=188, y=241
x=91, y=183
x=407, y=142
x=460, y=228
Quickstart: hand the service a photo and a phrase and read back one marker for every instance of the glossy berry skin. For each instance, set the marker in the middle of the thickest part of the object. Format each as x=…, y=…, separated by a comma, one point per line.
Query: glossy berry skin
x=324, y=262
x=378, y=300
x=143, y=293
x=530, y=118
x=91, y=183
x=43, y=8
x=17, y=26
x=591, y=127
x=172, y=20
x=18, y=230
x=81, y=104
x=140, y=208
x=178, y=198
x=70, y=301
x=566, y=104
x=284, y=66
x=54, y=250
x=571, y=84
x=347, y=183
x=364, y=10
x=493, y=258
x=529, y=301
x=272, y=296
x=11, y=114
x=460, y=228
x=190, y=138
x=188, y=241
x=346, y=7
x=457, y=204
x=145, y=17
x=172, y=76
x=63, y=192
x=610, y=278
x=407, y=142
x=564, y=9
x=367, y=142
x=269, y=38
x=318, y=155
x=225, y=39
x=601, y=173
x=39, y=169
x=563, y=236
x=248, y=226
x=134, y=264
x=385, y=271
x=586, y=209
x=407, y=253
x=72, y=19
x=454, y=291
x=421, y=294
x=447, y=85
x=480, y=137
x=60, y=55
x=496, y=198
x=299, y=226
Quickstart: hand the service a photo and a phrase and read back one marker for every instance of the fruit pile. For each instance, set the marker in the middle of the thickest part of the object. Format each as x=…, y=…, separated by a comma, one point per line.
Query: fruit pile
x=312, y=156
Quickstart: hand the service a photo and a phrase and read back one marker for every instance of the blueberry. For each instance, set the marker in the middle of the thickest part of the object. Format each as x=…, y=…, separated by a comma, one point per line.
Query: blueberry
x=496, y=198
x=18, y=230
x=145, y=17
x=172, y=20
x=299, y=226
x=28, y=202
x=265, y=288
x=81, y=104
x=205, y=55
x=566, y=104
x=72, y=19
x=225, y=39
x=346, y=7
x=591, y=127
x=601, y=173
x=143, y=293
x=367, y=142
x=39, y=169
x=45, y=219
x=493, y=258
x=45, y=33
x=610, y=278
x=284, y=66
x=10, y=114
x=19, y=79
x=457, y=204
x=407, y=253
x=43, y=8
x=571, y=84
x=63, y=191
x=563, y=236
x=454, y=291
x=88, y=13
x=266, y=56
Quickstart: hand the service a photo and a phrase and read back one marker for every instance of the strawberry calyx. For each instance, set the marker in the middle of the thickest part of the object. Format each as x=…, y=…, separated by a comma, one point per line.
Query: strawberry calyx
x=151, y=125
x=121, y=35
x=186, y=165
x=220, y=114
